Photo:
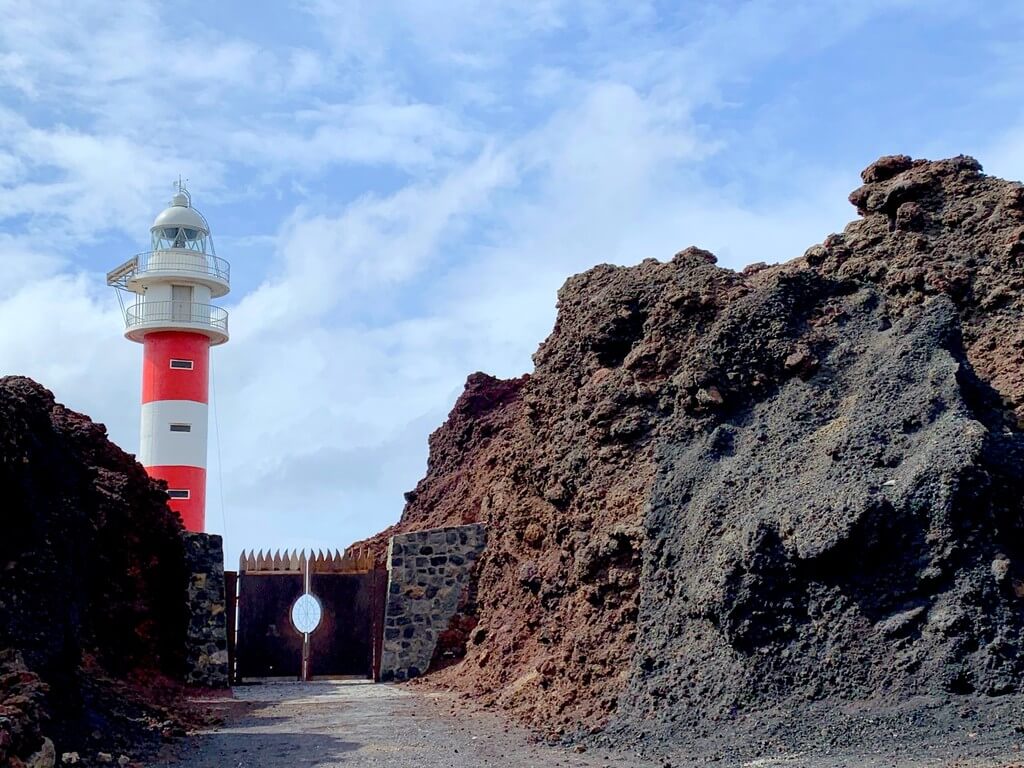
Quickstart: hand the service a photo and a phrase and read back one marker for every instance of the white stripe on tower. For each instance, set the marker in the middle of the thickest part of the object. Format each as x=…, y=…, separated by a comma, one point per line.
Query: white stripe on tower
x=173, y=434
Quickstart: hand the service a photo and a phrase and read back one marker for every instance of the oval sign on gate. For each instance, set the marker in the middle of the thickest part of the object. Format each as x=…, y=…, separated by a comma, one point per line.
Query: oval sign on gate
x=306, y=613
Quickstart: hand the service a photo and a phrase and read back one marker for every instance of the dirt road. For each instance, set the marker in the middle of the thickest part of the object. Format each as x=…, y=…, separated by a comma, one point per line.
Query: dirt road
x=354, y=724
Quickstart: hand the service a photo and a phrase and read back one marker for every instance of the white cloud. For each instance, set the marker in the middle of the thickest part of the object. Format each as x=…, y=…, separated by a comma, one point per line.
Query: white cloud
x=407, y=136
x=462, y=33
x=329, y=261
x=97, y=182
x=57, y=330
x=117, y=100
x=22, y=263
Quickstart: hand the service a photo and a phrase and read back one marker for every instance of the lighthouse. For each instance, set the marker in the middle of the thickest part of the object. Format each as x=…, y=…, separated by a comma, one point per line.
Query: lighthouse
x=169, y=310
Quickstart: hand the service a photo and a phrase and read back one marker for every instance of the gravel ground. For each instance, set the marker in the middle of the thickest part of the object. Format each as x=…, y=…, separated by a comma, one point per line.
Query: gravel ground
x=356, y=723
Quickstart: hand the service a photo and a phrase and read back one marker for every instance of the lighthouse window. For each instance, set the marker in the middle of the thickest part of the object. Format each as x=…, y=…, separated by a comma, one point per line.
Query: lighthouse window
x=181, y=427
x=185, y=365
x=178, y=493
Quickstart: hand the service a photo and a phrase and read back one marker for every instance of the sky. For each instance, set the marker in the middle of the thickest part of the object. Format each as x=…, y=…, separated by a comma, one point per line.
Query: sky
x=402, y=187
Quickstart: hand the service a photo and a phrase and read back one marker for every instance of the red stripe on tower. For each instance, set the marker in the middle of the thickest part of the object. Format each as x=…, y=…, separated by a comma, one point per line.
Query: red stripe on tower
x=176, y=366
x=192, y=480
x=173, y=319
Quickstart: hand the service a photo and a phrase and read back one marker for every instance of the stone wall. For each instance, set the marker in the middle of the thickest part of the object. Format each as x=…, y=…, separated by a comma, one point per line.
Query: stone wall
x=206, y=655
x=427, y=573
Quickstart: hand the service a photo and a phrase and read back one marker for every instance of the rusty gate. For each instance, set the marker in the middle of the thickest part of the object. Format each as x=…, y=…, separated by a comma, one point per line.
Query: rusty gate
x=304, y=616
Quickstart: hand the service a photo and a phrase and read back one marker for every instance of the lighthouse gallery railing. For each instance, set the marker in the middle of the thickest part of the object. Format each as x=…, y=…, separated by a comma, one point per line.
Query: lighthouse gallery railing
x=156, y=312
x=174, y=262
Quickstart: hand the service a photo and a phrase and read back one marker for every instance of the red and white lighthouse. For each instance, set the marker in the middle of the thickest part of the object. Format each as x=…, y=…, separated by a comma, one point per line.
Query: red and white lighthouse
x=170, y=313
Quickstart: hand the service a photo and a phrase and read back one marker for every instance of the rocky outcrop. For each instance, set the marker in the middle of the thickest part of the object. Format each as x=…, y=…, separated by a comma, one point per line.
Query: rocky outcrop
x=722, y=491
x=22, y=697
x=92, y=583
x=943, y=228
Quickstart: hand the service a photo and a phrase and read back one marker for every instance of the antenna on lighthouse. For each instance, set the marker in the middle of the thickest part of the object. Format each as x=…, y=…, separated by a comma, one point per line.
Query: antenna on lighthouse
x=181, y=188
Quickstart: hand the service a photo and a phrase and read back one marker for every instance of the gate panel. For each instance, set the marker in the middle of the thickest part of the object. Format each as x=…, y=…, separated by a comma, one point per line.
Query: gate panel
x=351, y=592
x=267, y=644
x=342, y=644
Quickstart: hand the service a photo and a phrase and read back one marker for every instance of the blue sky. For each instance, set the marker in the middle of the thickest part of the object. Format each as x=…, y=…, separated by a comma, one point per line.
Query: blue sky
x=401, y=188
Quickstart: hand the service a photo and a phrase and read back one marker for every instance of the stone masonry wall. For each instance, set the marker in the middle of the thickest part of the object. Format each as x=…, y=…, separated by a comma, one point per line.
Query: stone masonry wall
x=427, y=573
x=206, y=654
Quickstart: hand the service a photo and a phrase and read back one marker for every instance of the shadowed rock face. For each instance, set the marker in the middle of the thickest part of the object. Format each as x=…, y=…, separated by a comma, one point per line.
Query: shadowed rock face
x=718, y=489
x=91, y=577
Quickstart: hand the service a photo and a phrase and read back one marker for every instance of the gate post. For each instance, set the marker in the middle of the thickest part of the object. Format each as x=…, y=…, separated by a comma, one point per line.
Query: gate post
x=378, y=606
x=206, y=650
x=231, y=608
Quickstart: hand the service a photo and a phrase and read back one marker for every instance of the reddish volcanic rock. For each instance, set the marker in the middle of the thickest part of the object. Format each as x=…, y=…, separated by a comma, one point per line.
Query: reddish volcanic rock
x=653, y=374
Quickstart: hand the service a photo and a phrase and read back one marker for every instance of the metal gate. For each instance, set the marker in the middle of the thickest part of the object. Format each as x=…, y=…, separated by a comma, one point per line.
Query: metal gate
x=346, y=614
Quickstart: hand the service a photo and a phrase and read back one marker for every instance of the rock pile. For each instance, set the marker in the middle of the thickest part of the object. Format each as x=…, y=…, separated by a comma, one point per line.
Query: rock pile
x=721, y=493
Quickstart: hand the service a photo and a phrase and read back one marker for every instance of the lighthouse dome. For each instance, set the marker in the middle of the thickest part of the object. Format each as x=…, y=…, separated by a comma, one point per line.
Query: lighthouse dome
x=180, y=226
x=180, y=213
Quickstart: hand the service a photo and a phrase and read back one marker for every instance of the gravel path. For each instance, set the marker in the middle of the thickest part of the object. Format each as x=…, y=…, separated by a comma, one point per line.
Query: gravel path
x=357, y=723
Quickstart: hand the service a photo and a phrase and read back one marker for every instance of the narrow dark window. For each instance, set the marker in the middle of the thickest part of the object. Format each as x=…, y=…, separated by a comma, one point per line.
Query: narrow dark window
x=178, y=493
x=186, y=365
x=181, y=427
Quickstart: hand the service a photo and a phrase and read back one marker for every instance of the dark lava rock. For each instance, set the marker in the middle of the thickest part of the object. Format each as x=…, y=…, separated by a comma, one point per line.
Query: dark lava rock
x=91, y=573
x=836, y=541
x=22, y=697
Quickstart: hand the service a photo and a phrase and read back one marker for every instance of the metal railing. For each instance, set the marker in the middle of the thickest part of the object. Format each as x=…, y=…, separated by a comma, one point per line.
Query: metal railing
x=174, y=312
x=171, y=262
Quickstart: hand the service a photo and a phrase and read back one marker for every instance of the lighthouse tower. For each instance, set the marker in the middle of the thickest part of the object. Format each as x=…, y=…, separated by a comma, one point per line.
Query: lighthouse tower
x=169, y=312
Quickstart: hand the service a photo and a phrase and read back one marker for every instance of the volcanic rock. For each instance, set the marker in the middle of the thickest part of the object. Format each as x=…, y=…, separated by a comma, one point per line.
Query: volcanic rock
x=91, y=581
x=723, y=492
